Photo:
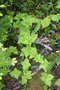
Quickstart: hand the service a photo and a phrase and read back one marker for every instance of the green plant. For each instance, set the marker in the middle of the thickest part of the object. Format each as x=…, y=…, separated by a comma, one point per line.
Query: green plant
x=5, y=60
x=2, y=6
x=57, y=82
x=47, y=78
x=15, y=73
x=26, y=38
x=5, y=24
x=58, y=6
x=27, y=26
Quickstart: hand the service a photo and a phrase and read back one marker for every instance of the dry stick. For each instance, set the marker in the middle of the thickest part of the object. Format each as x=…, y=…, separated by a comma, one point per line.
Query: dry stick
x=38, y=69
x=44, y=45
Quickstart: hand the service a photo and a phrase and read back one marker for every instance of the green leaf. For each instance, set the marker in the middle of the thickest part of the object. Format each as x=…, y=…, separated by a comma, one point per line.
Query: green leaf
x=57, y=82
x=56, y=18
x=26, y=76
x=4, y=71
x=1, y=45
x=45, y=87
x=16, y=24
x=25, y=51
x=33, y=39
x=27, y=39
x=15, y=73
x=24, y=79
x=4, y=25
x=33, y=52
x=39, y=58
x=45, y=22
x=4, y=61
x=1, y=14
x=36, y=28
x=28, y=20
x=44, y=65
x=24, y=30
x=58, y=6
x=11, y=1
x=1, y=85
x=25, y=64
x=24, y=39
x=46, y=78
x=20, y=15
x=2, y=6
x=12, y=49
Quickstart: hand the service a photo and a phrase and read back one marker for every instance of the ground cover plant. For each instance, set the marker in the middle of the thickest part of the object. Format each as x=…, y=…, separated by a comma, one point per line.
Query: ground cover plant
x=25, y=26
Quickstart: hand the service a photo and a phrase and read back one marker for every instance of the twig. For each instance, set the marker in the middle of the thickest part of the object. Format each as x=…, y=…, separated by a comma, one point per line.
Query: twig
x=38, y=69
x=38, y=41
